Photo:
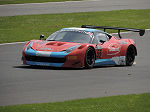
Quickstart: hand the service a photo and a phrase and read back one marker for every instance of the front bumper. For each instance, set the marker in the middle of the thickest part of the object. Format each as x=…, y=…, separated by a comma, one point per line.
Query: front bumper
x=53, y=59
x=44, y=64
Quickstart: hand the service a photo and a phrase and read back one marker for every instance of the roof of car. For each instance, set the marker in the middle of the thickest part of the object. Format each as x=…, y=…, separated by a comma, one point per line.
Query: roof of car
x=83, y=29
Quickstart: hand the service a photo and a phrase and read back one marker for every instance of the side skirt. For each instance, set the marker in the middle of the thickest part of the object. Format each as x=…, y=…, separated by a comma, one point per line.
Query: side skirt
x=119, y=60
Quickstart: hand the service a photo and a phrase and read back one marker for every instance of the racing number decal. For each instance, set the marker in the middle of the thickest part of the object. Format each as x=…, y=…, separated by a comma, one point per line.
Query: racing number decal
x=99, y=53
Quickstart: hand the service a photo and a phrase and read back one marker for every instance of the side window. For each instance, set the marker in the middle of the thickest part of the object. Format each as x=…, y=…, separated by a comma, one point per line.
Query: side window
x=95, y=40
x=100, y=38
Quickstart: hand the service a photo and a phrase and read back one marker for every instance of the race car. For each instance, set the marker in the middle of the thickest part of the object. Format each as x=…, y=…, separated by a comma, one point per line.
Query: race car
x=81, y=47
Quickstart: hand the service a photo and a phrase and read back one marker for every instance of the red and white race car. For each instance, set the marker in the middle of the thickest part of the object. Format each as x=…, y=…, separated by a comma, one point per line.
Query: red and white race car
x=81, y=47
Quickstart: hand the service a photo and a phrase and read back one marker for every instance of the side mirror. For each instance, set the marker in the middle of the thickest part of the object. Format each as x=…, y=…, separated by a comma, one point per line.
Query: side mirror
x=41, y=36
x=102, y=41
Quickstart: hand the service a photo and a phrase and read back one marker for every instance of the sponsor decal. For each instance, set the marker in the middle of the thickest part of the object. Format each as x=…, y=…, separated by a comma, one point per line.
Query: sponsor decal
x=123, y=42
x=45, y=64
x=43, y=54
x=119, y=60
x=78, y=30
x=45, y=48
x=113, y=49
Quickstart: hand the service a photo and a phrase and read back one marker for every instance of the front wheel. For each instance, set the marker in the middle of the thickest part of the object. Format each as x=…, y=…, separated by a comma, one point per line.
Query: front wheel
x=130, y=56
x=89, y=57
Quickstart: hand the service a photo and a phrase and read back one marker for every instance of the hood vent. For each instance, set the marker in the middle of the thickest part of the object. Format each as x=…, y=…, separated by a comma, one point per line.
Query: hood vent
x=56, y=43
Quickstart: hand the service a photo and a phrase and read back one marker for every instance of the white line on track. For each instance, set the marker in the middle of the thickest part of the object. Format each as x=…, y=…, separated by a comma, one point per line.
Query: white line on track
x=26, y=41
x=11, y=43
x=48, y=2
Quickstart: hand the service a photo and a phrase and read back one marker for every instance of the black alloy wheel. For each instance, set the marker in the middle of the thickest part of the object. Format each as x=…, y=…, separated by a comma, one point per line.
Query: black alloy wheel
x=130, y=56
x=89, y=57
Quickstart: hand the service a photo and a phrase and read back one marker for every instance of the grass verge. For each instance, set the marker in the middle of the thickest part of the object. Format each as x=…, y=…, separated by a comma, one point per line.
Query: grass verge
x=2, y=2
x=123, y=103
x=23, y=28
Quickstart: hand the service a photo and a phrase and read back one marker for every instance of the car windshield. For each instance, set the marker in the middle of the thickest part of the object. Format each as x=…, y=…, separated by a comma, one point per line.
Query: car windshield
x=71, y=36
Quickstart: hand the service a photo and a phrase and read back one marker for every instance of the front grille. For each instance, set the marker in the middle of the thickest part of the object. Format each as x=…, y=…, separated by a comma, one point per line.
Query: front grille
x=45, y=59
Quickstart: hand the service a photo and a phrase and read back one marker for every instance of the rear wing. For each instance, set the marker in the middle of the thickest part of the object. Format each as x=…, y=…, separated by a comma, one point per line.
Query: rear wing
x=141, y=31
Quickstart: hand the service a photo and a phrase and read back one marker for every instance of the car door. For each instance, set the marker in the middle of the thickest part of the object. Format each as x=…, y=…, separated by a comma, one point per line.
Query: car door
x=100, y=40
x=111, y=48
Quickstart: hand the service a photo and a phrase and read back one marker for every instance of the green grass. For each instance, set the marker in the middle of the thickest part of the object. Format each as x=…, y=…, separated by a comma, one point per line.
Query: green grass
x=123, y=103
x=2, y=2
x=23, y=28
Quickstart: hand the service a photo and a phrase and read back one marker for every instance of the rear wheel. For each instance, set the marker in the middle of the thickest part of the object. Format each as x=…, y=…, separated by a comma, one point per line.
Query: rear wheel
x=130, y=56
x=89, y=57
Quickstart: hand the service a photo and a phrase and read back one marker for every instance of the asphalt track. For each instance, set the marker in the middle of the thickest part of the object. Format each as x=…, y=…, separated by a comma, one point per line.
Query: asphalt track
x=68, y=7
x=21, y=84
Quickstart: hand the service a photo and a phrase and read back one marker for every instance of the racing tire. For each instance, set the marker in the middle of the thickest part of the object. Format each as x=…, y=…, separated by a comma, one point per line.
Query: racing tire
x=90, y=57
x=130, y=56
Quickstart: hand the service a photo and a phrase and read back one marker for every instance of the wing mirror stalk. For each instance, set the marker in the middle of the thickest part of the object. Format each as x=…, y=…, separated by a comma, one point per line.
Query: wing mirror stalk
x=102, y=41
x=41, y=36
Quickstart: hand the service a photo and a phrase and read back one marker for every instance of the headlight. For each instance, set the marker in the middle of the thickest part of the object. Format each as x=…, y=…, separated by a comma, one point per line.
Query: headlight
x=29, y=46
x=72, y=48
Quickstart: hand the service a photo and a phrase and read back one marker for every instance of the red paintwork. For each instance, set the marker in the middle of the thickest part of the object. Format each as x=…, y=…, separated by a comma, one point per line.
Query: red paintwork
x=113, y=47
